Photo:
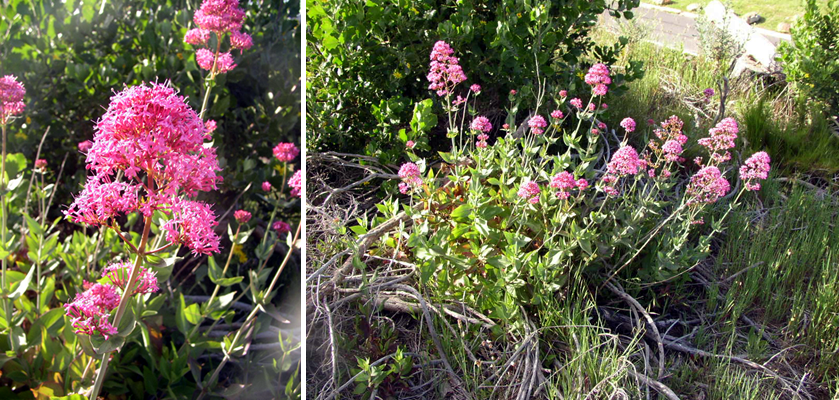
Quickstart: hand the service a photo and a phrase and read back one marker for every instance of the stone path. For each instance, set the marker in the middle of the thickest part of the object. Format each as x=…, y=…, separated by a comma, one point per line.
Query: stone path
x=676, y=31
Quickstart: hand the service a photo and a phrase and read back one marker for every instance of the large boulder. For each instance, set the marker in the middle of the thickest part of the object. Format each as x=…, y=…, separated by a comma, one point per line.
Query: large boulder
x=758, y=48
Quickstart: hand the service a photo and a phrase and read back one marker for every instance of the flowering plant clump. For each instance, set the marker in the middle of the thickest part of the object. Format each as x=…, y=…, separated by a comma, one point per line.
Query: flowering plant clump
x=219, y=17
x=484, y=232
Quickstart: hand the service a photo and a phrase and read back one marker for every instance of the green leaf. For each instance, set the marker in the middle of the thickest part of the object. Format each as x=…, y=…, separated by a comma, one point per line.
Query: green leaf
x=461, y=213
x=180, y=317
x=23, y=285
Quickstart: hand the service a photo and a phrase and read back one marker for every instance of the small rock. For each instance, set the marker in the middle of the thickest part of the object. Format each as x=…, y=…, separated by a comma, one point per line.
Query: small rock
x=752, y=18
x=694, y=7
x=783, y=27
x=662, y=2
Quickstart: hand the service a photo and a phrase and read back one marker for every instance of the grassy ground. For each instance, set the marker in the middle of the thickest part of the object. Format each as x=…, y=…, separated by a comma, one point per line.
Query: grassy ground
x=773, y=11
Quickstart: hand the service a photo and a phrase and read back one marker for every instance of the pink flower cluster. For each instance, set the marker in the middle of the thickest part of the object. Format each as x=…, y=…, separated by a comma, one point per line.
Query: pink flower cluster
x=577, y=103
x=475, y=88
x=445, y=72
x=85, y=146
x=41, y=164
x=482, y=141
x=281, y=227
x=118, y=274
x=598, y=77
x=11, y=98
x=708, y=93
x=296, y=183
x=410, y=174
x=90, y=310
x=537, y=124
x=755, y=169
x=157, y=141
x=564, y=182
x=481, y=124
x=556, y=114
x=668, y=142
x=192, y=224
x=624, y=162
x=707, y=186
x=219, y=17
x=530, y=190
x=286, y=152
x=721, y=139
x=242, y=216
x=628, y=124
x=266, y=186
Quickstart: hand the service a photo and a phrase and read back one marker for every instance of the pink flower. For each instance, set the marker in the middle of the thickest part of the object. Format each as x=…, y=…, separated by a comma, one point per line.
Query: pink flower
x=755, y=168
x=721, y=139
x=651, y=173
x=601, y=126
x=459, y=100
x=708, y=93
x=409, y=170
x=296, y=184
x=197, y=36
x=85, y=146
x=513, y=92
x=597, y=74
x=595, y=132
x=102, y=200
x=600, y=90
x=650, y=121
x=483, y=137
x=242, y=216
x=225, y=63
x=219, y=16
x=210, y=126
x=563, y=93
x=672, y=148
x=89, y=311
x=281, y=227
x=205, y=59
x=592, y=106
x=582, y=184
x=505, y=126
x=118, y=274
x=41, y=164
x=240, y=40
x=266, y=186
x=665, y=173
x=481, y=123
x=11, y=98
x=192, y=224
x=556, y=114
x=530, y=189
x=628, y=124
x=624, y=162
x=707, y=186
x=445, y=72
x=475, y=88
x=481, y=144
x=410, y=144
x=577, y=103
x=286, y=152
x=564, y=181
x=604, y=106
x=404, y=188
x=537, y=124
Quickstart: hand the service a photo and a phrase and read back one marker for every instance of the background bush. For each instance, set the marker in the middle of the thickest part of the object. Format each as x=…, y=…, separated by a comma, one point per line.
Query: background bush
x=367, y=61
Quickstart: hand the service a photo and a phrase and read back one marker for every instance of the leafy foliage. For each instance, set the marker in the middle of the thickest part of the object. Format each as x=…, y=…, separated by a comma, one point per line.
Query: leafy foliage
x=365, y=73
x=811, y=62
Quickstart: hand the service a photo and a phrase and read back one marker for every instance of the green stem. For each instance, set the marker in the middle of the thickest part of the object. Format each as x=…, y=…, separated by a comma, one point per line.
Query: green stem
x=6, y=309
x=123, y=303
x=215, y=293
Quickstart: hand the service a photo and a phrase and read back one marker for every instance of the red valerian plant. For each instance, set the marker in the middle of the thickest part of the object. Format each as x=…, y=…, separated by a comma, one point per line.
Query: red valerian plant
x=148, y=155
x=506, y=222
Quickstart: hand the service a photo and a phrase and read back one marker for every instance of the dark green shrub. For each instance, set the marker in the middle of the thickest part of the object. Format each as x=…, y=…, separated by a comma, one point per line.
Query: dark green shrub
x=367, y=56
x=811, y=62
